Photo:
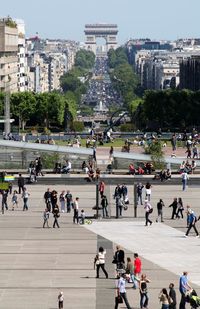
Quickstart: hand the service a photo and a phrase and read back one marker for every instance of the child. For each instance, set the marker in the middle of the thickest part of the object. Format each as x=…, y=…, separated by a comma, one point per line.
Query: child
x=14, y=200
x=82, y=217
x=46, y=217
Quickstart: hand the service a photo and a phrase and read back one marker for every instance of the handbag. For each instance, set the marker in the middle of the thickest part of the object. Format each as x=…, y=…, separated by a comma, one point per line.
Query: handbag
x=150, y=210
x=125, y=207
x=119, y=299
x=114, y=261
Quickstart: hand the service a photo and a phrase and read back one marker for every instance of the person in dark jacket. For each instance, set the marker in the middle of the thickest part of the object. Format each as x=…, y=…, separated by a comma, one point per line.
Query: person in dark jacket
x=174, y=206
x=119, y=258
x=172, y=295
x=56, y=215
x=20, y=183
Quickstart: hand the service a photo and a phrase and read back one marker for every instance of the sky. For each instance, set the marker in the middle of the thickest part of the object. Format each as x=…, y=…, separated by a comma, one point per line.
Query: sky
x=65, y=19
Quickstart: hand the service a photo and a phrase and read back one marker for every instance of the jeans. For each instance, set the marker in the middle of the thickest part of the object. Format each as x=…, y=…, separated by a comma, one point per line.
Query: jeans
x=25, y=203
x=105, y=212
x=182, y=302
x=189, y=228
x=147, y=218
x=139, y=198
x=144, y=299
x=102, y=266
x=123, y=295
x=75, y=217
x=160, y=214
x=165, y=306
x=184, y=182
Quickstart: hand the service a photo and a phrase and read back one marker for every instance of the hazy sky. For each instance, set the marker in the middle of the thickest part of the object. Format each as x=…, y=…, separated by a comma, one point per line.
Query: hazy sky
x=156, y=19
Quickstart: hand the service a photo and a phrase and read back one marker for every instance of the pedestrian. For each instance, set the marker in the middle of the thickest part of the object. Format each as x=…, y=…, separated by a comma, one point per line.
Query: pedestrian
x=139, y=192
x=60, y=300
x=5, y=199
x=184, y=177
x=121, y=291
x=82, y=217
x=76, y=208
x=54, y=199
x=172, y=295
x=69, y=200
x=46, y=217
x=14, y=200
x=183, y=288
x=160, y=206
x=25, y=196
x=20, y=183
x=144, y=298
x=164, y=299
x=111, y=152
x=137, y=269
x=124, y=191
x=104, y=204
x=56, y=216
x=174, y=206
x=47, y=198
x=180, y=208
x=148, y=191
x=130, y=269
x=119, y=258
x=192, y=223
x=101, y=262
x=119, y=206
x=148, y=210
x=62, y=201
x=101, y=188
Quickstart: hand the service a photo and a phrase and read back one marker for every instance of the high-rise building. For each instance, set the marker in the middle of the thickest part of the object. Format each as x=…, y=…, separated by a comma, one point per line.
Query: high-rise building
x=8, y=55
x=21, y=56
x=190, y=73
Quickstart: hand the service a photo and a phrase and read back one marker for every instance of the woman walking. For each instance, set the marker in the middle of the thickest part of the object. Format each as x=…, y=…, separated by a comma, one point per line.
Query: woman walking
x=62, y=201
x=101, y=262
x=144, y=299
x=164, y=299
x=14, y=200
x=180, y=208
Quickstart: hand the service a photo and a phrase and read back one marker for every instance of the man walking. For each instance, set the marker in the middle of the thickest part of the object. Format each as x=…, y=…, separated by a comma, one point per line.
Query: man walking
x=192, y=221
x=183, y=288
x=20, y=183
x=121, y=291
x=148, y=210
x=76, y=207
x=172, y=295
x=160, y=205
x=139, y=192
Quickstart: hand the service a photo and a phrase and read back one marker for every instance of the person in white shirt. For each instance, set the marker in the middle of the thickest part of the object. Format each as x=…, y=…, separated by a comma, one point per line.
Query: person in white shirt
x=67, y=168
x=100, y=263
x=25, y=196
x=76, y=207
x=148, y=209
x=121, y=291
x=184, y=177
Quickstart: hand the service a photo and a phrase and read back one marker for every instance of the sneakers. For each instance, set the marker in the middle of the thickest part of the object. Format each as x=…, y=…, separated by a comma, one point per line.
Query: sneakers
x=197, y=236
x=185, y=236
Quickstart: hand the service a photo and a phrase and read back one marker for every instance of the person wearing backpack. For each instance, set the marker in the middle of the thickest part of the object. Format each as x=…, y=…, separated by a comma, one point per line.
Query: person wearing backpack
x=192, y=219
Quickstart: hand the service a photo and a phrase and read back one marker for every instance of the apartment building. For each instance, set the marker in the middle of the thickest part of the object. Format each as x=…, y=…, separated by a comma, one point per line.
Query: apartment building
x=22, y=66
x=8, y=55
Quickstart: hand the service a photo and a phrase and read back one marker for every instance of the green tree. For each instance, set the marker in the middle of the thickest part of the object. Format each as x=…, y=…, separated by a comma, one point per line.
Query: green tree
x=85, y=59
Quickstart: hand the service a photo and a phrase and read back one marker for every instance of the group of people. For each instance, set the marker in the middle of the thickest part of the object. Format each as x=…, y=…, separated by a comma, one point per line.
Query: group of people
x=131, y=273
x=144, y=168
x=121, y=199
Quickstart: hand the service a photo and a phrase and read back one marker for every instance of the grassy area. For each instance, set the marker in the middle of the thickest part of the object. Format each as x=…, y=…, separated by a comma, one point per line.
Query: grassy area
x=116, y=143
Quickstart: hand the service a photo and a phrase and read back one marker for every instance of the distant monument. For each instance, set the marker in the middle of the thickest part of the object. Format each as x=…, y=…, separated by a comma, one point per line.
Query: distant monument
x=107, y=31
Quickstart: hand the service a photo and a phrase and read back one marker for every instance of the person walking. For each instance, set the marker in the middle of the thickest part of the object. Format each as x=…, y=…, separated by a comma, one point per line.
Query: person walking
x=5, y=199
x=62, y=201
x=14, y=200
x=119, y=258
x=121, y=291
x=60, y=300
x=148, y=210
x=47, y=198
x=183, y=288
x=160, y=206
x=101, y=188
x=46, y=218
x=144, y=298
x=148, y=191
x=25, y=196
x=192, y=219
x=137, y=269
x=20, y=183
x=56, y=216
x=164, y=299
x=104, y=204
x=101, y=262
x=68, y=197
x=172, y=295
x=184, y=177
x=54, y=199
x=139, y=193
x=180, y=208
x=174, y=206
x=76, y=208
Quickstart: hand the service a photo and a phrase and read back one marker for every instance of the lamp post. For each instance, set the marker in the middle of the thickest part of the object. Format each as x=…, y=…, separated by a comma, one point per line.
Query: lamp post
x=7, y=107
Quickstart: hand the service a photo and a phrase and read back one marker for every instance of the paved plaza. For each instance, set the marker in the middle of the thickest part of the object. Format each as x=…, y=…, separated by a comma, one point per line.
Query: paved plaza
x=37, y=263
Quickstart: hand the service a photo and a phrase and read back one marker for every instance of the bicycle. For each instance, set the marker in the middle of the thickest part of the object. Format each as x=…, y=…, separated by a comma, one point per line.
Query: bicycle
x=86, y=221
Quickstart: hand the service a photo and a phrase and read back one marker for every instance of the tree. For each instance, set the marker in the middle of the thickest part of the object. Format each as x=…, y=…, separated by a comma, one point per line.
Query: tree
x=85, y=59
x=22, y=106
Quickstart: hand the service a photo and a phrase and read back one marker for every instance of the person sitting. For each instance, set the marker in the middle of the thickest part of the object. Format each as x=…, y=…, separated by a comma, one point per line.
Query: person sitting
x=57, y=168
x=91, y=175
x=182, y=167
x=66, y=168
x=140, y=170
x=131, y=169
x=98, y=172
x=84, y=167
x=168, y=174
